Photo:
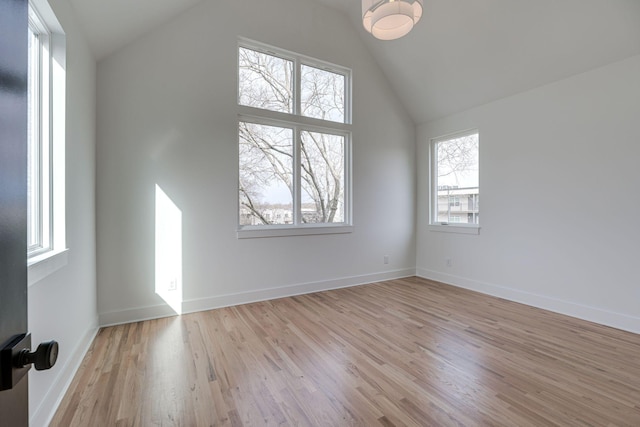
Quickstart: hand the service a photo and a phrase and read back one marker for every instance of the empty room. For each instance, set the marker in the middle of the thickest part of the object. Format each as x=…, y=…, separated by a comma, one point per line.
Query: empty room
x=319, y=212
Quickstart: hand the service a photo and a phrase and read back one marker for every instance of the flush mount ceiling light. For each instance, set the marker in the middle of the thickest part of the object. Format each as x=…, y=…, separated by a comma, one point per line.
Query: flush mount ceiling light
x=390, y=19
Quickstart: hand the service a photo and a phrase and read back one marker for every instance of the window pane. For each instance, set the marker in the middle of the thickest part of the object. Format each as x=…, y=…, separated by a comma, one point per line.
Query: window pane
x=322, y=94
x=265, y=81
x=322, y=177
x=458, y=180
x=33, y=137
x=266, y=174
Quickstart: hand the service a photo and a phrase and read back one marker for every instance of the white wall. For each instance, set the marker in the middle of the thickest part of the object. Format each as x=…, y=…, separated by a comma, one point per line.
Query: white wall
x=167, y=115
x=559, y=181
x=62, y=306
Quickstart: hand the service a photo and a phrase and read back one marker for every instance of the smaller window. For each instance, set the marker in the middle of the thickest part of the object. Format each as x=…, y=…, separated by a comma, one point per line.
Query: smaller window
x=266, y=173
x=265, y=81
x=322, y=94
x=455, y=177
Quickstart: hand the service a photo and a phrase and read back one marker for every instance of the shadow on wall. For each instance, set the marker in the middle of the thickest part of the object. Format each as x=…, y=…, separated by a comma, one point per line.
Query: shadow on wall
x=168, y=258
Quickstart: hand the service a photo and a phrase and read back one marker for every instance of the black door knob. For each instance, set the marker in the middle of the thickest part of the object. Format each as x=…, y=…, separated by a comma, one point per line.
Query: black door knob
x=43, y=358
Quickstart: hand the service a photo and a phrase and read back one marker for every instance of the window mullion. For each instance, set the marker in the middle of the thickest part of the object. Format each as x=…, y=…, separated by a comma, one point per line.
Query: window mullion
x=46, y=143
x=434, y=182
x=347, y=165
x=297, y=82
x=297, y=192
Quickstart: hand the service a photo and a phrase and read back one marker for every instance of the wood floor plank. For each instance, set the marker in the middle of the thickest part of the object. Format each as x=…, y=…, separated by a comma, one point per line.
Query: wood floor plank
x=408, y=352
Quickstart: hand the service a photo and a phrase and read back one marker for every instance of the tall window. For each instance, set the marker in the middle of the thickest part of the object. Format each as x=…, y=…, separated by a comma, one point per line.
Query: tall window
x=294, y=142
x=46, y=92
x=455, y=179
x=40, y=228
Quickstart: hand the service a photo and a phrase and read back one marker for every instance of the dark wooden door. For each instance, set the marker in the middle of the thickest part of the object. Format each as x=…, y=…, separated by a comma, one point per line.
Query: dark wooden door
x=14, y=409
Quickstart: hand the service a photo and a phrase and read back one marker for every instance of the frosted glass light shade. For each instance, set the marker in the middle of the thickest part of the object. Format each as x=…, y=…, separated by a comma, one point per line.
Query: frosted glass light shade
x=390, y=19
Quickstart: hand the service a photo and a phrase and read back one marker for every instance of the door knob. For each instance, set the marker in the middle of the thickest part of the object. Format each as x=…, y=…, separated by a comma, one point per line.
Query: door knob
x=43, y=358
x=16, y=359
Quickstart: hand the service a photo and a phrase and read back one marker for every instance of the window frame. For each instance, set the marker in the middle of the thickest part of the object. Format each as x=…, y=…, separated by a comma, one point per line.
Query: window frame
x=299, y=123
x=43, y=215
x=51, y=253
x=434, y=224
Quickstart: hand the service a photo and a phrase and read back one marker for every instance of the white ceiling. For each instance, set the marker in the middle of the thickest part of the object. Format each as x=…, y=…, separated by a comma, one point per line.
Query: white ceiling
x=463, y=53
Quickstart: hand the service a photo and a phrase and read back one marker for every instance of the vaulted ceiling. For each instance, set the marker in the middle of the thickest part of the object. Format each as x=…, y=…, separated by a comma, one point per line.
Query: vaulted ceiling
x=462, y=54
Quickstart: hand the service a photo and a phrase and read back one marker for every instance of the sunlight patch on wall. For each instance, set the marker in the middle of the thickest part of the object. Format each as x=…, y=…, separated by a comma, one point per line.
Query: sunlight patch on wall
x=168, y=251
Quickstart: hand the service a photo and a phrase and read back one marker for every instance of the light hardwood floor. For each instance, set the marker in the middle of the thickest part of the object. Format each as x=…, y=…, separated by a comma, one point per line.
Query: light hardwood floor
x=402, y=352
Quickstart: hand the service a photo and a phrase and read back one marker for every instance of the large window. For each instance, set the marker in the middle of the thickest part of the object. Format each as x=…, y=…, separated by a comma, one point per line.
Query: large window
x=45, y=138
x=294, y=144
x=455, y=180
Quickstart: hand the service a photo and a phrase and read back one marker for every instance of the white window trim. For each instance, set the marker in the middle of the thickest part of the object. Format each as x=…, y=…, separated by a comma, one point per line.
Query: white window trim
x=455, y=228
x=301, y=123
x=42, y=263
x=301, y=230
x=445, y=227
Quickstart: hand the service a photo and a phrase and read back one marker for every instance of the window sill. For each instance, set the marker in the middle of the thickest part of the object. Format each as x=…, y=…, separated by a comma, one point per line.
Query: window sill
x=43, y=265
x=459, y=229
x=275, y=231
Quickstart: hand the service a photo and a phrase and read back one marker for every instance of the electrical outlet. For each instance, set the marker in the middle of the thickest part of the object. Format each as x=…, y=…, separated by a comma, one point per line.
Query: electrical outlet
x=449, y=262
x=386, y=259
x=173, y=285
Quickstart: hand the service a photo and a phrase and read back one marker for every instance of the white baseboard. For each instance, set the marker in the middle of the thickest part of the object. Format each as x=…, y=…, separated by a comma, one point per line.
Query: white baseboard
x=592, y=314
x=218, y=301
x=44, y=413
